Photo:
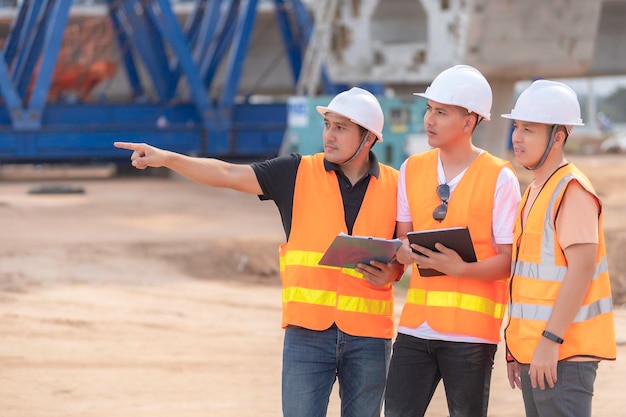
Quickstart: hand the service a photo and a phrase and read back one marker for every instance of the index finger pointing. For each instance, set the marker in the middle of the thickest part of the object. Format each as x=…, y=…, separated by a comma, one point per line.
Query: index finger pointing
x=128, y=145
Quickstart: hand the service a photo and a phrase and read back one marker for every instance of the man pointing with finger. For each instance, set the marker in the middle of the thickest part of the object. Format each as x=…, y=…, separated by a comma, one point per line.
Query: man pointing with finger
x=338, y=322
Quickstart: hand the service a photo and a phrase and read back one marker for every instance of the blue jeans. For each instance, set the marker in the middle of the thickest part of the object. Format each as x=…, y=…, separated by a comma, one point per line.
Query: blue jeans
x=417, y=366
x=312, y=360
x=571, y=395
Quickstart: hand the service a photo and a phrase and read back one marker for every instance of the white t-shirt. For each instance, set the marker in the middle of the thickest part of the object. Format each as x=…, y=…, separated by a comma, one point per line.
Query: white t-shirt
x=506, y=200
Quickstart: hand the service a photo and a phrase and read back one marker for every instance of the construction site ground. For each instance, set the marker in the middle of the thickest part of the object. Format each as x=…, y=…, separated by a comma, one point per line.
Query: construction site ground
x=151, y=296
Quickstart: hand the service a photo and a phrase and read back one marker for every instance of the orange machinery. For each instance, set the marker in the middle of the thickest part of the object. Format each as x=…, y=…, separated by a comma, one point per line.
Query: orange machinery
x=86, y=59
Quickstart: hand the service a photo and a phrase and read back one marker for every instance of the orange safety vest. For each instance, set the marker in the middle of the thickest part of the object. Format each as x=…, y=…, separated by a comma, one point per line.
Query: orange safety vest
x=315, y=296
x=456, y=305
x=538, y=269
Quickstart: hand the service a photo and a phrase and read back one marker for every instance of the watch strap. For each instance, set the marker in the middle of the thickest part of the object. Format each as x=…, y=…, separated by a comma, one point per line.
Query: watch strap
x=552, y=337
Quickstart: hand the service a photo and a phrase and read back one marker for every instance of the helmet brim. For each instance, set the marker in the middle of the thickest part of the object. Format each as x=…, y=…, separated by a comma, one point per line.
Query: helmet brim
x=323, y=110
x=486, y=117
x=544, y=122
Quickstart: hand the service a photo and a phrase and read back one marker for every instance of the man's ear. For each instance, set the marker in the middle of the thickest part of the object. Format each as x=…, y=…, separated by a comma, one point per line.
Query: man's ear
x=559, y=138
x=470, y=122
x=372, y=139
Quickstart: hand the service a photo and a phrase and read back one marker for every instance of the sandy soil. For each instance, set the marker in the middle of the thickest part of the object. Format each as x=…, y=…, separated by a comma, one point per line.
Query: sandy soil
x=157, y=297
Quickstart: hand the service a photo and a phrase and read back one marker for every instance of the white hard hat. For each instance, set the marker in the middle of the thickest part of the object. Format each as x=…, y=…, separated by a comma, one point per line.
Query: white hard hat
x=360, y=106
x=547, y=102
x=462, y=86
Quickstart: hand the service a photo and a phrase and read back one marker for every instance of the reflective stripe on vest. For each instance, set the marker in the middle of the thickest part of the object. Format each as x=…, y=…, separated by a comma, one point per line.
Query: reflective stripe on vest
x=315, y=296
x=300, y=257
x=541, y=312
x=456, y=305
x=453, y=299
x=556, y=273
x=329, y=298
x=539, y=268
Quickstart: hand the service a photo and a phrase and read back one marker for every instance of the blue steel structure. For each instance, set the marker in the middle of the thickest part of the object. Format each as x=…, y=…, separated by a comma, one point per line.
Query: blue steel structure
x=216, y=33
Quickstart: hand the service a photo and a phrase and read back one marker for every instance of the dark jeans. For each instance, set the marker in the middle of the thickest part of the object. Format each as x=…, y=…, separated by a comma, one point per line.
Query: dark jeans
x=313, y=360
x=417, y=366
x=571, y=395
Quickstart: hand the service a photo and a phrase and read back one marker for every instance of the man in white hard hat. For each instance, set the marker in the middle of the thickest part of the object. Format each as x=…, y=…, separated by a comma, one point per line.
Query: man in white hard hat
x=450, y=324
x=560, y=311
x=338, y=322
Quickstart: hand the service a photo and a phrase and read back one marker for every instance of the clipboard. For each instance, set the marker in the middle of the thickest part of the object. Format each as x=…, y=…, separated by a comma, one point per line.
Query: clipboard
x=347, y=251
x=456, y=238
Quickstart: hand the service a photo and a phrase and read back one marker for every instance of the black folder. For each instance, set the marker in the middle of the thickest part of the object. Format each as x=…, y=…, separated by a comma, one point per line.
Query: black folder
x=456, y=238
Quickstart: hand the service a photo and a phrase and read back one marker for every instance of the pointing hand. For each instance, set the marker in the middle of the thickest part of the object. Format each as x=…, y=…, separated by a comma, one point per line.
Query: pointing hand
x=144, y=155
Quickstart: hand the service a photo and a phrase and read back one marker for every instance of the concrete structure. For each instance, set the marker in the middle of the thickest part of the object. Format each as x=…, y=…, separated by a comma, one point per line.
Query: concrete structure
x=404, y=44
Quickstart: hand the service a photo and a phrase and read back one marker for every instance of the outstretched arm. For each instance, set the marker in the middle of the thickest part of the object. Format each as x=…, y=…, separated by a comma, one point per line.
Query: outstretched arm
x=206, y=171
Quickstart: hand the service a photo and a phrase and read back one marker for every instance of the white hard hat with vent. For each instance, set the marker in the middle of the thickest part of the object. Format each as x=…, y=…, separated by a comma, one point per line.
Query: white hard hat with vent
x=360, y=106
x=547, y=102
x=463, y=86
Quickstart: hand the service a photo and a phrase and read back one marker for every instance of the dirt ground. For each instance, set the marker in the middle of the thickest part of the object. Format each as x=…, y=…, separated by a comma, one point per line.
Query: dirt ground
x=157, y=297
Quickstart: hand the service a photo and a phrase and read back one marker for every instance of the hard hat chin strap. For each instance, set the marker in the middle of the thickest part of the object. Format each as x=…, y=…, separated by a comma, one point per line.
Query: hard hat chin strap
x=546, y=152
x=479, y=119
x=354, y=155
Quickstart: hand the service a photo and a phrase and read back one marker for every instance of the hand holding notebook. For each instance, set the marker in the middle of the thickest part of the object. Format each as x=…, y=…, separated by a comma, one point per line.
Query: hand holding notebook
x=456, y=238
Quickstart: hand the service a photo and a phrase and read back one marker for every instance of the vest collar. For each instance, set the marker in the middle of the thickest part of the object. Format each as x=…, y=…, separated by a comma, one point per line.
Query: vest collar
x=374, y=170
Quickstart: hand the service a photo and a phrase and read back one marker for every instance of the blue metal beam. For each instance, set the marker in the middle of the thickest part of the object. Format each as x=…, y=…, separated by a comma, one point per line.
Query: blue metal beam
x=39, y=28
x=207, y=30
x=194, y=21
x=234, y=66
x=294, y=43
x=11, y=98
x=191, y=30
x=217, y=35
x=29, y=45
x=12, y=41
x=125, y=50
x=160, y=14
x=220, y=43
x=142, y=32
x=56, y=22
x=171, y=31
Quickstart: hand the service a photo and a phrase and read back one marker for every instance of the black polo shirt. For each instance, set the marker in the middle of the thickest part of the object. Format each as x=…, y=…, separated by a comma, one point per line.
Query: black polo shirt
x=277, y=178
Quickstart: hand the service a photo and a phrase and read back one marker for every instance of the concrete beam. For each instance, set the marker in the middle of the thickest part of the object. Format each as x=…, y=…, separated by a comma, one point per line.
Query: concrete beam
x=609, y=56
x=526, y=39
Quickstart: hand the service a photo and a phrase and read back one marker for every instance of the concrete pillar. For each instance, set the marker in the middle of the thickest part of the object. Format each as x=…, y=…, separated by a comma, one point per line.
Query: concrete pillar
x=590, y=119
x=494, y=135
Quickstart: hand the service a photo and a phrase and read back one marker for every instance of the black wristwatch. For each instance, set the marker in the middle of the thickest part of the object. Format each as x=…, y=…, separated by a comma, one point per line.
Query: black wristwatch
x=552, y=337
